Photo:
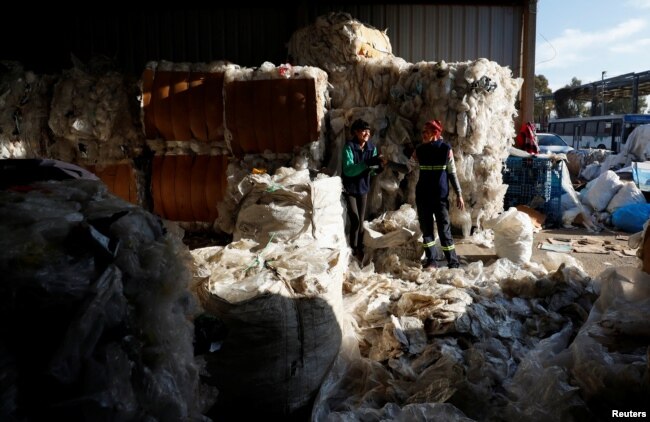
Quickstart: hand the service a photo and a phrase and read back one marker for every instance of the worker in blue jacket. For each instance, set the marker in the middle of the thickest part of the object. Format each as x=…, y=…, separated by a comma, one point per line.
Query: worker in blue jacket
x=435, y=159
x=361, y=160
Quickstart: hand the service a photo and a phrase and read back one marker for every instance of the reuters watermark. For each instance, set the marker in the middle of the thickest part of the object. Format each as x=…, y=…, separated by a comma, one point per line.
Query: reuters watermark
x=628, y=414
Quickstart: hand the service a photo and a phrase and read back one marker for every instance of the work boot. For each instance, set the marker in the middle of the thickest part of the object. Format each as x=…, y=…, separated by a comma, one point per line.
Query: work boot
x=429, y=265
x=457, y=262
x=452, y=259
x=358, y=254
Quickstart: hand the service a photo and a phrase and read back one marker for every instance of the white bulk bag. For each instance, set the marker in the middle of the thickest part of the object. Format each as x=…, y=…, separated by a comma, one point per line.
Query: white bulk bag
x=513, y=235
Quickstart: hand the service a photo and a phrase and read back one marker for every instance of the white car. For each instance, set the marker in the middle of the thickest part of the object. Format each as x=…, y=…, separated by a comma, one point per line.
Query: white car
x=550, y=143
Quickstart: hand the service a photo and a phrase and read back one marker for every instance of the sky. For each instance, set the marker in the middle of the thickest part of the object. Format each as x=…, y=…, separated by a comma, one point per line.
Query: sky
x=582, y=38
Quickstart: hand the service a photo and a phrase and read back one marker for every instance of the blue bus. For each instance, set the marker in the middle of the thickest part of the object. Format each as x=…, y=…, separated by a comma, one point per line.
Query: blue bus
x=605, y=132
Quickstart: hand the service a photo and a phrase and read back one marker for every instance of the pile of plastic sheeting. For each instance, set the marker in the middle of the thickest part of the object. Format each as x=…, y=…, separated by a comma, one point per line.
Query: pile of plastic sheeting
x=607, y=363
x=281, y=307
x=24, y=110
x=92, y=116
x=503, y=341
x=600, y=199
x=277, y=291
x=637, y=145
x=585, y=163
x=95, y=309
x=484, y=342
x=365, y=83
x=635, y=149
x=288, y=206
x=474, y=100
x=337, y=38
x=393, y=241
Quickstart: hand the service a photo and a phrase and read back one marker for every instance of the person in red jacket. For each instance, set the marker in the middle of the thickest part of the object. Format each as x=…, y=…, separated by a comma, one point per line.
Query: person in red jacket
x=527, y=138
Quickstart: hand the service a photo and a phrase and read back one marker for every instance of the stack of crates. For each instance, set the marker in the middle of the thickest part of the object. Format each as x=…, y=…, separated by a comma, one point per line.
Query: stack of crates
x=537, y=183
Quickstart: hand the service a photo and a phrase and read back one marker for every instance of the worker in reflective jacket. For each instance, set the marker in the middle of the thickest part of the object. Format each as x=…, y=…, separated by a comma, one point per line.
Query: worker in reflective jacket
x=435, y=159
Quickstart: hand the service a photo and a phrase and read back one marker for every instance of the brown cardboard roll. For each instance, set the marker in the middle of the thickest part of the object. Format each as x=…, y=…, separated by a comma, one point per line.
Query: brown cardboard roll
x=188, y=187
x=275, y=114
x=297, y=94
x=162, y=105
x=168, y=188
x=182, y=187
x=197, y=113
x=180, y=105
x=199, y=200
x=214, y=184
x=156, y=179
x=214, y=105
x=244, y=116
x=119, y=178
x=148, y=118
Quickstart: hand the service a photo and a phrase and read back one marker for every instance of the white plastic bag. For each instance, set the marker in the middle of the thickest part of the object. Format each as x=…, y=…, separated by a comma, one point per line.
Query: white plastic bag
x=628, y=194
x=513, y=235
x=602, y=190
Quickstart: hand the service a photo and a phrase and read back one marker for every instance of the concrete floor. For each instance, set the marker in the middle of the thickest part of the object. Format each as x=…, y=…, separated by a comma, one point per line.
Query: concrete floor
x=593, y=263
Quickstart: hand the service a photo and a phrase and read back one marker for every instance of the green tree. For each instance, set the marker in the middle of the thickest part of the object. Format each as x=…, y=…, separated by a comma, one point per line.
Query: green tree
x=567, y=103
x=578, y=107
x=541, y=85
x=543, y=106
x=622, y=105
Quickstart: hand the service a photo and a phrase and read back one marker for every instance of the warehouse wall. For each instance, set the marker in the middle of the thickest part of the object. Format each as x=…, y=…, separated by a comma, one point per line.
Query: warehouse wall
x=249, y=36
x=245, y=36
x=445, y=32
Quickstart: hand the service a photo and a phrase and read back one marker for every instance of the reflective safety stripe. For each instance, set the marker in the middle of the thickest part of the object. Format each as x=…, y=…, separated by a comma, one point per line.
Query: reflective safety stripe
x=442, y=167
x=429, y=244
x=448, y=248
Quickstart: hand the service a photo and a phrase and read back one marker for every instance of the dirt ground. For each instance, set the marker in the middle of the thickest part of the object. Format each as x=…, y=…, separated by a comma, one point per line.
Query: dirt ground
x=613, y=245
x=595, y=251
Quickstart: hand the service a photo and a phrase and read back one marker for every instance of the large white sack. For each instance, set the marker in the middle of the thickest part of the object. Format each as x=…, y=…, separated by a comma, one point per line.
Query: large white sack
x=282, y=308
x=513, y=235
x=637, y=146
x=591, y=171
x=288, y=207
x=627, y=195
x=601, y=190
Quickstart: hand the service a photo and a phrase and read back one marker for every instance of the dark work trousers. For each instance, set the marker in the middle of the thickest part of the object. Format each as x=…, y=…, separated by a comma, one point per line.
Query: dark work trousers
x=428, y=206
x=356, y=214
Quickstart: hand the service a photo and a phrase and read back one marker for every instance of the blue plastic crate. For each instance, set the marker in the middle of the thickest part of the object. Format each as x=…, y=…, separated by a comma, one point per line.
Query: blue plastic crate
x=529, y=163
x=535, y=182
x=527, y=171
